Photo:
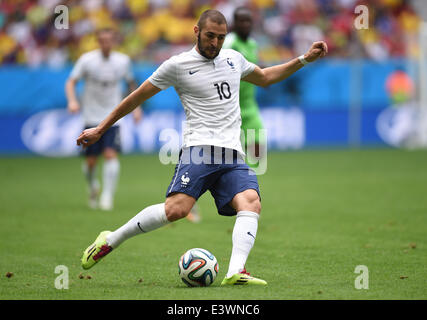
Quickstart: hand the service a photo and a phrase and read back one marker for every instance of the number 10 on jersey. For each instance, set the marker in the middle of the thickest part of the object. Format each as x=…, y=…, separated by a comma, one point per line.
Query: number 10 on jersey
x=223, y=89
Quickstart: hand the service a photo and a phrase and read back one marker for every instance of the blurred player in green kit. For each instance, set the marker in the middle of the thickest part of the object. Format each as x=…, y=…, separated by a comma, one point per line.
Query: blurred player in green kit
x=240, y=41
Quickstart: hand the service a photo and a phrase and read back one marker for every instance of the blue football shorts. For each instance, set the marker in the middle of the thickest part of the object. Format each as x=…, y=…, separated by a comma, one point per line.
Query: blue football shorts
x=221, y=171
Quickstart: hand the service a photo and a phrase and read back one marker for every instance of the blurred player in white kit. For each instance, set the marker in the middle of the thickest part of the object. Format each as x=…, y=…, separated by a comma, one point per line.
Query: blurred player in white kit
x=103, y=71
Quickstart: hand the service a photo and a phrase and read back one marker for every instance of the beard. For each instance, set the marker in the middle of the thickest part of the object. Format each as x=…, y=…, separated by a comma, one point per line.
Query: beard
x=203, y=51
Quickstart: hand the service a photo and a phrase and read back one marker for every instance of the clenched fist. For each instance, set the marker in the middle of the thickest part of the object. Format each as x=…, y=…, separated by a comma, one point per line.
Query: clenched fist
x=318, y=50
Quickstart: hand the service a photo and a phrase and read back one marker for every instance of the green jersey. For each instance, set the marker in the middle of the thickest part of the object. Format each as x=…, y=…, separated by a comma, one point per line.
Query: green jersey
x=249, y=50
x=251, y=119
x=249, y=111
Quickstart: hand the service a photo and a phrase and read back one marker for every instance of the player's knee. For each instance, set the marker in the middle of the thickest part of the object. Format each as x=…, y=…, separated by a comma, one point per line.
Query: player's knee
x=252, y=201
x=255, y=205
x=178, y=205
x=248, y=201
x=174, y=211
x=110, y=154
x=91, y=162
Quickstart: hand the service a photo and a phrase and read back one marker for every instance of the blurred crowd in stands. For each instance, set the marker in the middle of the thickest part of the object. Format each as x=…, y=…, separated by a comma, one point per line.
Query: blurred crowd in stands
x=152, y=30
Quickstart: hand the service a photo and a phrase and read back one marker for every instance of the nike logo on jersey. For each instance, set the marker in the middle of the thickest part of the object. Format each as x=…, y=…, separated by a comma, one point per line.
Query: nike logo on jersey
x=193, y=72
x=249, y=233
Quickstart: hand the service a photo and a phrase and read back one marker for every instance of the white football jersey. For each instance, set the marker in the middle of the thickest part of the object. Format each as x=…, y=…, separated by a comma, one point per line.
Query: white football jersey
x=209, y=92
x=103, y=88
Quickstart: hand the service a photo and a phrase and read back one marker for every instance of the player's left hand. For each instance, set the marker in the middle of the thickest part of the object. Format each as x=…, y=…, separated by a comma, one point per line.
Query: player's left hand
x=317, y=50
x=88, y=137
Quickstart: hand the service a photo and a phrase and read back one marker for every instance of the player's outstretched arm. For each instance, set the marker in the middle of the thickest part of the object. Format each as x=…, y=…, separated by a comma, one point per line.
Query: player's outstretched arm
x=267, y=76
x=145, y=91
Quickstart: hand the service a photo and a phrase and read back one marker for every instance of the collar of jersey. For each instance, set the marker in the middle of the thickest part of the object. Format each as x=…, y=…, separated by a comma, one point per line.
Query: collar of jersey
x=198, y=55
x=99, y=52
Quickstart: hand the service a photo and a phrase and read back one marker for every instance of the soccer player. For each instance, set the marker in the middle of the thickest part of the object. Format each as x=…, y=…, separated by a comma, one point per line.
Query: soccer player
x=102, y=71
x=241, y=41
x=207, y=80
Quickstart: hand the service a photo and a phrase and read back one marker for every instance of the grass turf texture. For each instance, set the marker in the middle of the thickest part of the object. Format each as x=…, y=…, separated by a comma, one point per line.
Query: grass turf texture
x=324, y=213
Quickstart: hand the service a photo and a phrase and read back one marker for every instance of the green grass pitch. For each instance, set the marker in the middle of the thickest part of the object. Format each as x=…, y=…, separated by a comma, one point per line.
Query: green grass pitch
x=324, y=213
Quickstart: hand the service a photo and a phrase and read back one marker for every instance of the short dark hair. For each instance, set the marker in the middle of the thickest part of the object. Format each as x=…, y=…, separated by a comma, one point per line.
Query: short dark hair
x=213, y=15
x=241, y=10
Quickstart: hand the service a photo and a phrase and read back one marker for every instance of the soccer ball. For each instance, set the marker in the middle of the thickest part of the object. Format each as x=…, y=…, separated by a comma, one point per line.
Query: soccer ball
x=198, y=268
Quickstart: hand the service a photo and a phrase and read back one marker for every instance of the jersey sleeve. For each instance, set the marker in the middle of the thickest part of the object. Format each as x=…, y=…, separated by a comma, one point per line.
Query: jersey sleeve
x=166, y=75
x=246, y=67
x=78, y=69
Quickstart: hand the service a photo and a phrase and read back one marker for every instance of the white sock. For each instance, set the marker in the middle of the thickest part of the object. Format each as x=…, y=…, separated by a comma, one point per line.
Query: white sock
x=243, y=238
x=147, y=220
x=111, y=172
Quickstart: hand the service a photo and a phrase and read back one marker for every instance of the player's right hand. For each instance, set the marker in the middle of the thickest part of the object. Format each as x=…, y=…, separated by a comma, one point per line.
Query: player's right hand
x=73, y=107
x=88, y=137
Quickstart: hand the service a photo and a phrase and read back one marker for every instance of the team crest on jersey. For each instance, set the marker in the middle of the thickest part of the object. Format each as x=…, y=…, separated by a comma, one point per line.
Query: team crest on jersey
x=231, y=64
x=185, y=179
